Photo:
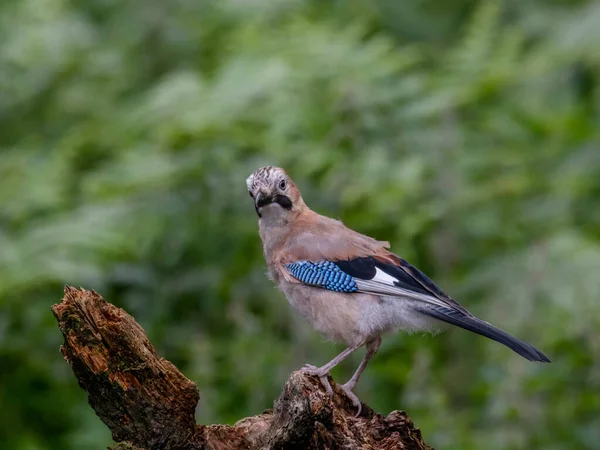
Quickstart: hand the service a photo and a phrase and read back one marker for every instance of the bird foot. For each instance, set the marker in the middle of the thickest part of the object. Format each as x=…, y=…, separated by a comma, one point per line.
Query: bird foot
x=352, y=396
x=309, y=369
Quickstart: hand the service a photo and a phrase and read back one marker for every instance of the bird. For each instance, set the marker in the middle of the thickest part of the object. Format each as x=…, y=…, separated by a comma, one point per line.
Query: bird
x=349, y=286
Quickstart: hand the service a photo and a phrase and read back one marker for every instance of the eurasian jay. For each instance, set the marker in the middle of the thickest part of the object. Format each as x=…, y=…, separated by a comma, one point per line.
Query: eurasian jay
x=348, y=285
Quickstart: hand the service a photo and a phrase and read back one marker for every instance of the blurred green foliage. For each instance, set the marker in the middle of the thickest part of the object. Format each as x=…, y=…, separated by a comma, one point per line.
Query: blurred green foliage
x=466, y=133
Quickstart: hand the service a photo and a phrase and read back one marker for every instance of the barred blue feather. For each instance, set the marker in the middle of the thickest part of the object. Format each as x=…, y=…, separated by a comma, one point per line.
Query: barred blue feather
x=324, y=274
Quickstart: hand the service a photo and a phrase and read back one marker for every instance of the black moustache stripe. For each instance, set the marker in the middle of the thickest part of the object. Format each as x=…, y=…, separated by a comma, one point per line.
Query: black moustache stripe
x=284, y=201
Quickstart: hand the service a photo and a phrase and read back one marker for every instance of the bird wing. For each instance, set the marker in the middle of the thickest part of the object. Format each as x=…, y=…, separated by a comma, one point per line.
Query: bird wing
x=384, y=274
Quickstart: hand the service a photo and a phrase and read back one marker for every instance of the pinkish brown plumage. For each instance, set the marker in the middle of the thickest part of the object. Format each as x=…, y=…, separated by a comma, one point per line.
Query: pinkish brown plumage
x=349, y=286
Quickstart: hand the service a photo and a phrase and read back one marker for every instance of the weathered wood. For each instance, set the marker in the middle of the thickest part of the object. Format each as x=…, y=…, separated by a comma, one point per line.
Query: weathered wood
x=148, y=404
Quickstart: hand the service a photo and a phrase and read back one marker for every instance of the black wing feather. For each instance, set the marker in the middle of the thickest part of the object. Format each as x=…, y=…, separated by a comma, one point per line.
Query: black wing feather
x=365, y=269
x=420, y=278
x=407, y=277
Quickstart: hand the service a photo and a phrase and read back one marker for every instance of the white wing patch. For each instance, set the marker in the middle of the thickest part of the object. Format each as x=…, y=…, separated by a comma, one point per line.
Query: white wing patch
x=384, y=284
x=383, y=277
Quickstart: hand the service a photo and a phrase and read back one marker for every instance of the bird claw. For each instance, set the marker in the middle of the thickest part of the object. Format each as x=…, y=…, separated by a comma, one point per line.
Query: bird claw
x=352, y=396
x=325, y=382
x=309, y=369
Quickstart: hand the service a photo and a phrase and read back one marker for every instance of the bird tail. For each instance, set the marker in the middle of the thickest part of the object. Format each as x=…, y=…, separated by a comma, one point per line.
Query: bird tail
x=486, y=329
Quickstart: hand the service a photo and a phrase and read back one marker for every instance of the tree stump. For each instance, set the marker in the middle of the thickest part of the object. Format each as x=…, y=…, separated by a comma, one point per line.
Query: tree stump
x=148, y=404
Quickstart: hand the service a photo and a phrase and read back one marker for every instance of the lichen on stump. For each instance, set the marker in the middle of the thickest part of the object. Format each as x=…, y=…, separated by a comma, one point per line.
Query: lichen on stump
x=148, y=404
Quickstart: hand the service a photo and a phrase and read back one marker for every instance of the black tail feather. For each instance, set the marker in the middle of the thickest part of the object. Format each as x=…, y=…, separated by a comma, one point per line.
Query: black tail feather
x=483, y=328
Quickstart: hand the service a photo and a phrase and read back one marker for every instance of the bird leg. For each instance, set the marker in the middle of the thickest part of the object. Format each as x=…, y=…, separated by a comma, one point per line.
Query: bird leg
x=322, y=371
x=372, y=347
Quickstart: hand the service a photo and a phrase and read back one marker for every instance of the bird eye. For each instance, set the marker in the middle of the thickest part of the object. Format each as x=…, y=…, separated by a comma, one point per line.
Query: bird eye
x=282, y=185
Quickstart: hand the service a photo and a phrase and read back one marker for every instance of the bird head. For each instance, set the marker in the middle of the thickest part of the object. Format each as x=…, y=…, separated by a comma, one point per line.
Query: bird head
x=274, y=193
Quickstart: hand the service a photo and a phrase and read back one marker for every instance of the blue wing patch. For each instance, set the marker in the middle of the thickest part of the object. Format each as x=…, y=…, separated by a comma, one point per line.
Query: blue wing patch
x=324, y=274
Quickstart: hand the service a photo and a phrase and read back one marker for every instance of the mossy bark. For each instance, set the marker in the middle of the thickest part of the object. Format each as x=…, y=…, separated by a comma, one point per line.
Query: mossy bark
x=148, y=404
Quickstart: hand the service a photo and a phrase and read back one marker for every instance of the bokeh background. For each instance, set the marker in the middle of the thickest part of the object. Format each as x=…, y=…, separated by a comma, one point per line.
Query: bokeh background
x=467, y=133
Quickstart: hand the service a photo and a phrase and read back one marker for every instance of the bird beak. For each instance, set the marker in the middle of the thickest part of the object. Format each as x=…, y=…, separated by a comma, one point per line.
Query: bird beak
x=260, y=201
